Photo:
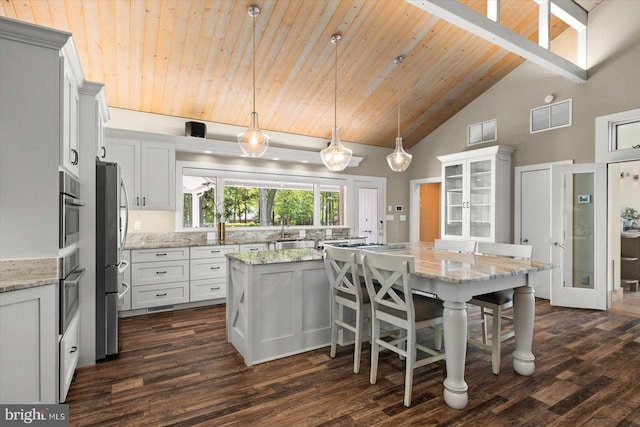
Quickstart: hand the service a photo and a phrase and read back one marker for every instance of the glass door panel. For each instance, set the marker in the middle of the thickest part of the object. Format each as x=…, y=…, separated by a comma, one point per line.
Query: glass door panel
x=454, y=202
x=480, y=206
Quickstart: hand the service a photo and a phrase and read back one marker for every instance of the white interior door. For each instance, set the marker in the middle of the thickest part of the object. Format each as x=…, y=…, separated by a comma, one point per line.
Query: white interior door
x=578, y=235
x=370, y=211
x=535, y=220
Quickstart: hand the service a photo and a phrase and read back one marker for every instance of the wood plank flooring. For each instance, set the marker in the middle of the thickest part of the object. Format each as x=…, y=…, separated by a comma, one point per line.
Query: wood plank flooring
x=176, y=369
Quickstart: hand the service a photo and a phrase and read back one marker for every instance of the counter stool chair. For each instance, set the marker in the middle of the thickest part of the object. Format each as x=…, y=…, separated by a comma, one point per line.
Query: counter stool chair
x=494, y=303
x=394, y=303
x=346, y=291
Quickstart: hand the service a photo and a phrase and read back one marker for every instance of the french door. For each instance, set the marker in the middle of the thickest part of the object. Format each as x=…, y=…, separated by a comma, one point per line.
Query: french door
x=578, y=235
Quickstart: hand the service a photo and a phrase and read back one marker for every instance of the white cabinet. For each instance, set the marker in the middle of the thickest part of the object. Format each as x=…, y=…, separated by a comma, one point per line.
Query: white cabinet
x=28, y=346
x=70, y=149
x=148, y=169
x=476, y=195
x=208, y=272
x=159, y=277
x=69, y=355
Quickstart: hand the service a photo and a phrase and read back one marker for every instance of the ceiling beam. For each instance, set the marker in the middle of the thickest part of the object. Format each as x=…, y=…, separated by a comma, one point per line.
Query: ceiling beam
x=473, y=22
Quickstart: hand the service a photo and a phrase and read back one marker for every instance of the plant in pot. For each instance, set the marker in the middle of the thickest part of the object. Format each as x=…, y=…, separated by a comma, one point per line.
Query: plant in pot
x=631, y=218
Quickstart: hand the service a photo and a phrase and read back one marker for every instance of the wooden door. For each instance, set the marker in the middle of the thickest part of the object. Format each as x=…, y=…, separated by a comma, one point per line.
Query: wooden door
x=429, y=212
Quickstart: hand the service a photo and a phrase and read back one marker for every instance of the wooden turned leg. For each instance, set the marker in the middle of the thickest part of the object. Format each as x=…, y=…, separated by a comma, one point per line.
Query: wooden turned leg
x=523, y=315
x=455, y=345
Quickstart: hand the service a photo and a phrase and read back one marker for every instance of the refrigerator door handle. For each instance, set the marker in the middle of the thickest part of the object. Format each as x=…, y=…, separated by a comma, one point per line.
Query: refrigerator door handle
x=126, y=205
x=122, y=266
x=126, y=289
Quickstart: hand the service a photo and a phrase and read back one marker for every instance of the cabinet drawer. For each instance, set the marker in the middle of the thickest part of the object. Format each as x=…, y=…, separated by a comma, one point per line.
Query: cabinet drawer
x=253, y=247
x=156, y=295
x=208, y=289
x=149, y=273
x=212, y=251
x=69, y=353
x=167, y=254
x=208, y=269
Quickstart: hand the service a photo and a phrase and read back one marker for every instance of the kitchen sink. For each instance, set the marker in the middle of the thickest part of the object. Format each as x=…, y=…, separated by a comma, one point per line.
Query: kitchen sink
x=295, y=244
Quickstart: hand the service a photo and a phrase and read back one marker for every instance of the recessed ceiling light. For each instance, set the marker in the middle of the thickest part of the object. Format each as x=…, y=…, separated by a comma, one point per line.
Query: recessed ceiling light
x=305, y=161
x=207, y=152
x=276, y=158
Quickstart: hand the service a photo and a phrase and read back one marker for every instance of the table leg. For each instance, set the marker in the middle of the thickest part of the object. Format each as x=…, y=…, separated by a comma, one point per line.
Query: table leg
x=455, y=346
x=523, y=315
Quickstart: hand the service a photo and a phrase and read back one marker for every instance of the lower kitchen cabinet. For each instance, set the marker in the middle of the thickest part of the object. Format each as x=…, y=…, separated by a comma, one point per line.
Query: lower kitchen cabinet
x=147, y=296
x=159, y=277
x=69, y=355
x=29, y=337
x=208, y=272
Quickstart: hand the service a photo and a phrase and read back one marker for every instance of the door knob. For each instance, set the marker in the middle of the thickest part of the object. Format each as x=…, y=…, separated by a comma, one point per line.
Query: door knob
x=559, y=245
x=525, y=240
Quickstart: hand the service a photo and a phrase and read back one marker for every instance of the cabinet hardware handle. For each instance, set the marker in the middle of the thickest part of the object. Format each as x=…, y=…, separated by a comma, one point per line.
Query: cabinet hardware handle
x=215, y=252
x=161, y=295
x=215, y=268
x=161, y=272
x=73, y=349
x=137, y=200
x=216, y=288
x=104, y=151
x=161, y=254
x=144, y=201
x=253, y=249
x=75, y=157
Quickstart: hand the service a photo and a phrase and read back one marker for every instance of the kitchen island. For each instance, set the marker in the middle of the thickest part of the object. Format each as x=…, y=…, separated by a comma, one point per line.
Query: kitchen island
x=278, y=303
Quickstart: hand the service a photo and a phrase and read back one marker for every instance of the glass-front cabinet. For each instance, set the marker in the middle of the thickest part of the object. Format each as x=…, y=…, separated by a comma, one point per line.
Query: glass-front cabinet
x=476, y=195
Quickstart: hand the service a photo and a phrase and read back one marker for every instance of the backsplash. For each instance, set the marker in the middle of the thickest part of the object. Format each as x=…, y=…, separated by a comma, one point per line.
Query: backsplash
x=237, y=236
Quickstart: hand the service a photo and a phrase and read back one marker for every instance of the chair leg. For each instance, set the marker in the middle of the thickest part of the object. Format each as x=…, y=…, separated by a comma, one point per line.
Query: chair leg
x=358, y=342
x=411, y=359
x=483, y=316
x=495, y=340
x=403, y=345
x=437, y=337
x=375, y=349
x=334, y=330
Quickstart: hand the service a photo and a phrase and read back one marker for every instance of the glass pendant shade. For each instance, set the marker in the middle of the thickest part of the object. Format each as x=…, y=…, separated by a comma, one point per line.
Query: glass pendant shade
x=336, y=157
x=399, y=160
x=253, y=142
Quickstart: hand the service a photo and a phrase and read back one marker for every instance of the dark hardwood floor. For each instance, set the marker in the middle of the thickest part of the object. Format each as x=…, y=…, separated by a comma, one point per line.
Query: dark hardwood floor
x=176, y=368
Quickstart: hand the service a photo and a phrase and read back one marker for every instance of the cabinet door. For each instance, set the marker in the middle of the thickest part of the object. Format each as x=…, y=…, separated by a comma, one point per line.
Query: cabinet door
x=126, y=153
x=158, y=182
x=101, y=149
x=69, y=154
x=453, y=200
x=481, y=200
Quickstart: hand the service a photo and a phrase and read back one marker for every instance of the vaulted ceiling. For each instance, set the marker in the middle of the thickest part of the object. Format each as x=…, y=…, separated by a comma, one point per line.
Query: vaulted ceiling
x=193, y=59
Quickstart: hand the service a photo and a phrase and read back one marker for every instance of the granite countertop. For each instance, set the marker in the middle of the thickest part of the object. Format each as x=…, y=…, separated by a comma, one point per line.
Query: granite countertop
x=159, y=244
x=277, y=256
x=16, y=274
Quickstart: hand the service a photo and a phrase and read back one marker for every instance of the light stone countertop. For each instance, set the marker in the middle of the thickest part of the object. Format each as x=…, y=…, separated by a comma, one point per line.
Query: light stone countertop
x=16, y=274
x=277, y=256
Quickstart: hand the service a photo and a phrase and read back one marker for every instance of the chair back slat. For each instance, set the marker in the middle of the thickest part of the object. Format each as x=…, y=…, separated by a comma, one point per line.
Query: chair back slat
x=505, y=249
x=466, y=246
x=342, y=269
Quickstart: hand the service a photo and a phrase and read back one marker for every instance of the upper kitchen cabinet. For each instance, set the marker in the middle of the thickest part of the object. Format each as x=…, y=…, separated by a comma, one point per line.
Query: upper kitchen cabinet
x=476, y=194
x=148, y=169
x=95, y=110
x=39, y=79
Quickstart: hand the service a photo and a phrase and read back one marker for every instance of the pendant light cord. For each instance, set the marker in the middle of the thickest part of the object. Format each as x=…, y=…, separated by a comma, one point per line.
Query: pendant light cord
x=254, y=63
x=335, y=91
x=398, y=107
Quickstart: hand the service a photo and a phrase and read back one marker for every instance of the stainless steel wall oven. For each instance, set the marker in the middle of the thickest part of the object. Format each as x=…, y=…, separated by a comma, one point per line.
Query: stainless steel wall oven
x=70, y=275
x=70, y=205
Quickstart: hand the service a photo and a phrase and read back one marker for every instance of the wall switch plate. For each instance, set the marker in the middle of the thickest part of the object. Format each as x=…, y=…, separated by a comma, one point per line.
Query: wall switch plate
x=137, y=225
x=403, y=217
x=303, y=233
x=389, y=217
x=328, y=232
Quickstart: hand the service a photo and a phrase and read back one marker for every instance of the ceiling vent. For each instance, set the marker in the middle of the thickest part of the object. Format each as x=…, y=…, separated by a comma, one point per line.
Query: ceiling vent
x=551, y=116
x=479, y=133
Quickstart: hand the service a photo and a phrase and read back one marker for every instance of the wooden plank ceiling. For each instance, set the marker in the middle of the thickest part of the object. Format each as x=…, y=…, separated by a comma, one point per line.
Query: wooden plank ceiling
x=193, y=59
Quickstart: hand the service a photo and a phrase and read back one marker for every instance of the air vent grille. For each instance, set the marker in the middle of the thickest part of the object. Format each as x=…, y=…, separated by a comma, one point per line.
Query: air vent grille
x=551, y=116
x=479, y=133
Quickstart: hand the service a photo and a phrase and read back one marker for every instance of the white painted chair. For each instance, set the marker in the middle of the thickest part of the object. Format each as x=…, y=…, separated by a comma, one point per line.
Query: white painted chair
x=464, y=246
x=346, y=292
x=493, y=304
x=394, y=303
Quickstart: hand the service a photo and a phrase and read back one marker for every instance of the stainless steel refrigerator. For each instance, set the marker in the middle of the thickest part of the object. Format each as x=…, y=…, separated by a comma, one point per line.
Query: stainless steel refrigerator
x=112, y=212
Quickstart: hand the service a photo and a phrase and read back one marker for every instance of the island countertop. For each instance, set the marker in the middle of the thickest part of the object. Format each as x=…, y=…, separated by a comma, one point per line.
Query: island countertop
x=276, y=256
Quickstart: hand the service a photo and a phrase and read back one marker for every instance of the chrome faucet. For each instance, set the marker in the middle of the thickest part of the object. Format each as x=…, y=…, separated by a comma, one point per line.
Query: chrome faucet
x=283, y=220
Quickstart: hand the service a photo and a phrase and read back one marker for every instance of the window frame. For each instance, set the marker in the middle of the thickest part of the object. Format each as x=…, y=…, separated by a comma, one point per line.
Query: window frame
x=221, y=172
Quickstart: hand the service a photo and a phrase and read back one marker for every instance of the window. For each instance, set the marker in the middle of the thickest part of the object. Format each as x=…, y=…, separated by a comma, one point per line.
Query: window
x=258, y=200
x=626, y=135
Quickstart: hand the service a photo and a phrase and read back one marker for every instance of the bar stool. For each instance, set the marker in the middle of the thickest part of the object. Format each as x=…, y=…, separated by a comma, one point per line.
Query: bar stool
x=494, y=303
x=346, y=292
x=394, y=303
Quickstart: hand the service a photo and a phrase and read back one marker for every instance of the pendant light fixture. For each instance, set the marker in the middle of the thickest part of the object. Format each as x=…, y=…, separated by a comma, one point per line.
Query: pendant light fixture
x=399, y=160
x=336, y=156
x=253, y=142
